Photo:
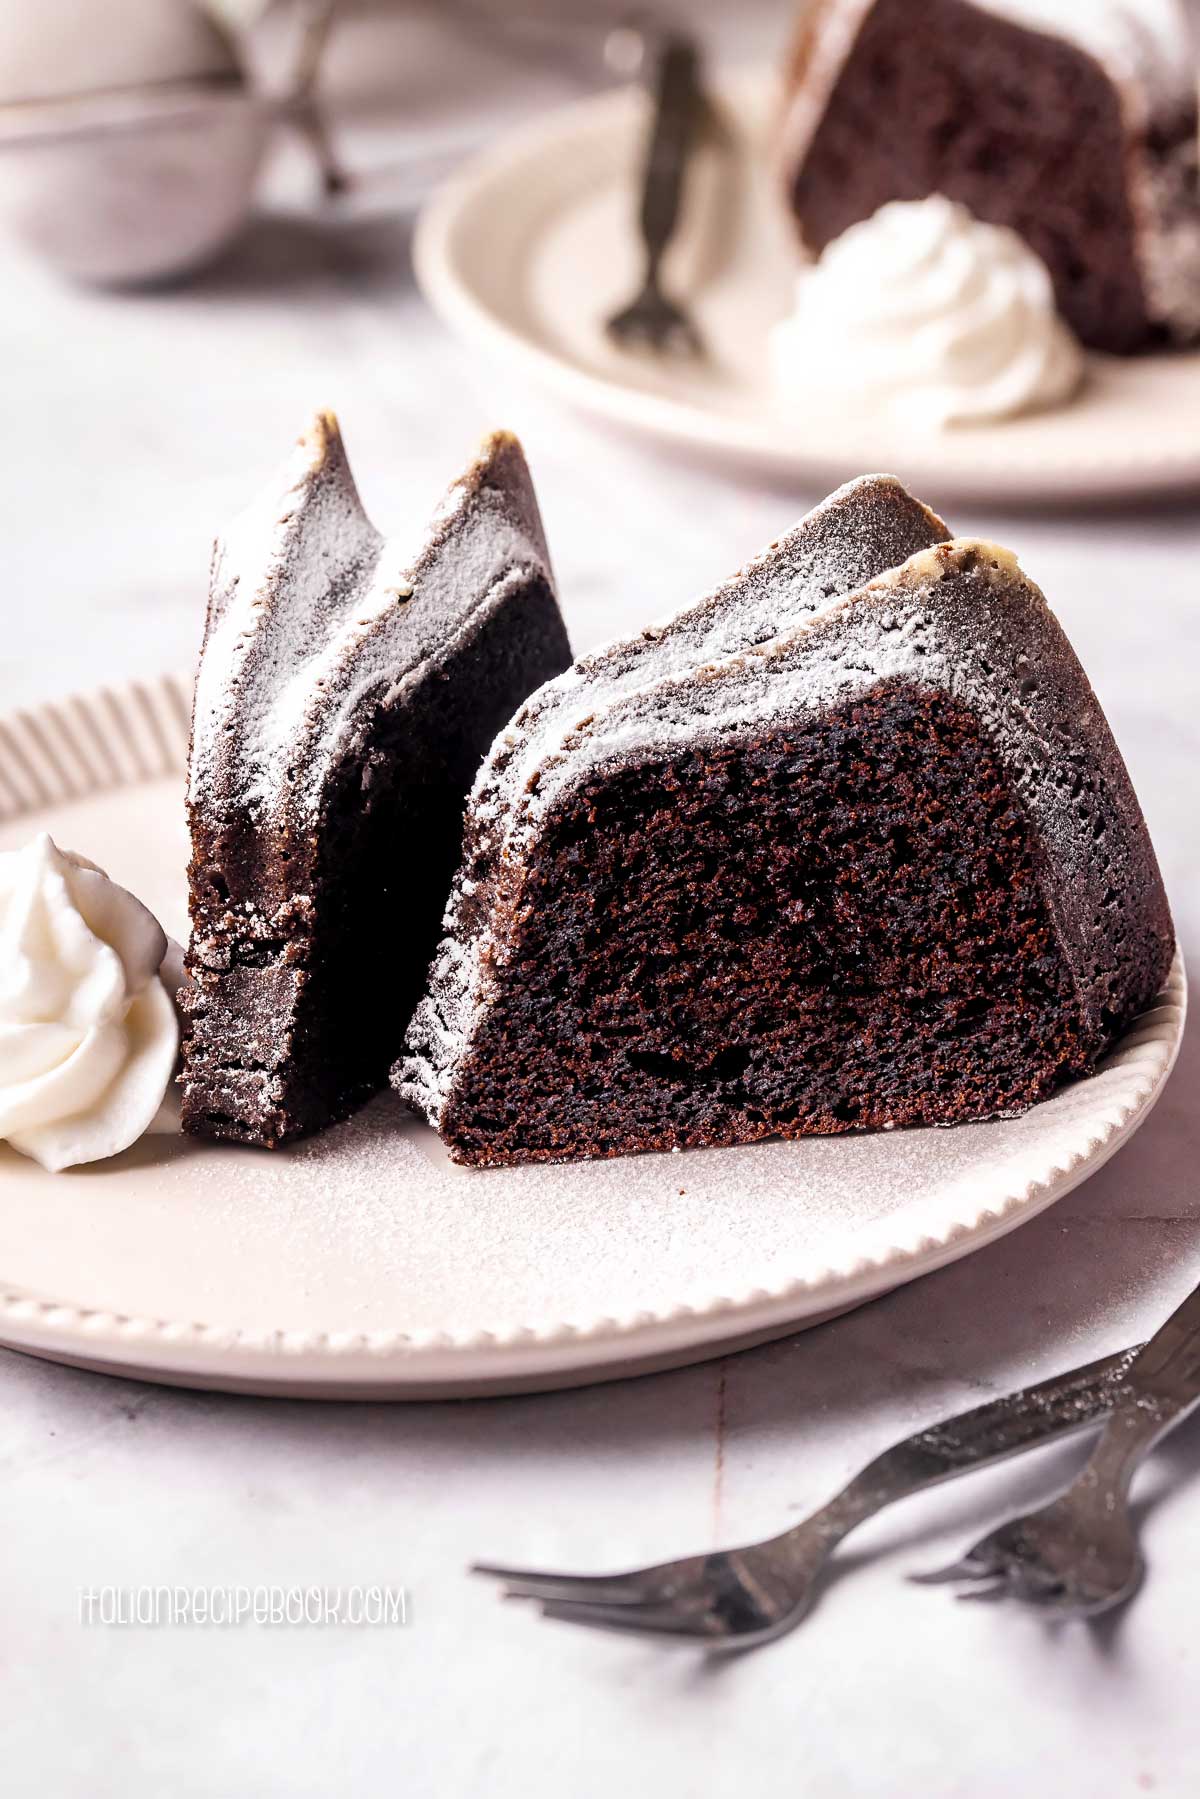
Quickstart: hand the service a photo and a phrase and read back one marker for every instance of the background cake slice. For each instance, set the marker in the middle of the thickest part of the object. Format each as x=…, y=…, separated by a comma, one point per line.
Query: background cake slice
x=1074, y=124
x=349, y=687
x=878, y=866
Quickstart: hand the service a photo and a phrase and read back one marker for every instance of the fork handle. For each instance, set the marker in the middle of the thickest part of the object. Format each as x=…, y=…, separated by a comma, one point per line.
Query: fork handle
x=1162, y=1388
x=1130, y=1432
x=676, y=109
x=976, y=1439
x=1168, y=1369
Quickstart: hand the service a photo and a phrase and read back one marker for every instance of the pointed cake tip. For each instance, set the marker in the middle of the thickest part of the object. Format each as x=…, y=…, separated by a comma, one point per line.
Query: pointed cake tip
x=873, y=490
x=492, y=442
x=499, y=474
x=321, y=437
x=498, y=465
x=318, y=457
x=499, y=454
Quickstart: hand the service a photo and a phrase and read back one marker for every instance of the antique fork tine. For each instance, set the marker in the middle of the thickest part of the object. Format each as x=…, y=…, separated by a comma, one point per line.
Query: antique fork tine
x=652, y=317
x=732, y=1598
x=530, y=1583
x=1078, y=1555
x=650, y=1621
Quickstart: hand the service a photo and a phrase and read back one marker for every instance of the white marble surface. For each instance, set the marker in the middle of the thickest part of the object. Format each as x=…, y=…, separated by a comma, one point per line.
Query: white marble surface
x=134, y=426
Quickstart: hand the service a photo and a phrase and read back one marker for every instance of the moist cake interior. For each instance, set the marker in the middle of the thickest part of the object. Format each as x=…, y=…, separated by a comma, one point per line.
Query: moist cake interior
x=839, y=926
x=808, y=858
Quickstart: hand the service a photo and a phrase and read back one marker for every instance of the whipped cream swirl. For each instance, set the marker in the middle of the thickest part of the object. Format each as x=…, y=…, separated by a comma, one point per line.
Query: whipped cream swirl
x=931, y=314
x=88, y=1031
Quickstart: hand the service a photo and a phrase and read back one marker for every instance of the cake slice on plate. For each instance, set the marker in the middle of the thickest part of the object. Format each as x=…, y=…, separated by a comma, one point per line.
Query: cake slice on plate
x=1074, y=124
x=849, y=845
x=349, y=687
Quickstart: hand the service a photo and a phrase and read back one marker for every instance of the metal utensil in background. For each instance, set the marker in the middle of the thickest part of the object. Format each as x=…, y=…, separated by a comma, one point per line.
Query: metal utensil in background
x=301, y=103
x=1078, y=1555
x=151, y=173
x=652, y=318
x=738, y=1598
x=577, y=41
x=583, y=48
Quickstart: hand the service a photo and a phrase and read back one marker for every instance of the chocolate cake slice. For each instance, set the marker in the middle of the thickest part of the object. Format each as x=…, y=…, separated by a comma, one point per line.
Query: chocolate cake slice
x=847, y=846
x=1072, y=121
x=349, y=687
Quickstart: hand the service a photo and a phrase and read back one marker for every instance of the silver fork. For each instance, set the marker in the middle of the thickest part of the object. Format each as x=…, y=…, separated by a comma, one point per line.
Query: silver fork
x=1078, y=1556
x=652, y=317
x=734, y=1599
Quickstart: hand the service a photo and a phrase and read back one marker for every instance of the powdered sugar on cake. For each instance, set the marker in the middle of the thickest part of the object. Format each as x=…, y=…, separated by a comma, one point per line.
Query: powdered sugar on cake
x=313, y=612
x=349, y=687
x=781, y=643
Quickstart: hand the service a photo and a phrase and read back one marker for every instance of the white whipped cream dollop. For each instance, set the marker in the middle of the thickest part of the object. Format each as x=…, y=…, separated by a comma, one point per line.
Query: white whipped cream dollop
x=931, y=314
x=88, y=1031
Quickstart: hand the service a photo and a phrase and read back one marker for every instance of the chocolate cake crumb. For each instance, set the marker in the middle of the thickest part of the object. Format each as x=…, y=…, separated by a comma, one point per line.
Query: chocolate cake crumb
x=846, y=846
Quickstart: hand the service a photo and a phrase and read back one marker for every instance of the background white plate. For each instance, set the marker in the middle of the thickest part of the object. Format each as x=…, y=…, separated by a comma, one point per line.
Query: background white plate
x=364, y=1263
x=531, y=247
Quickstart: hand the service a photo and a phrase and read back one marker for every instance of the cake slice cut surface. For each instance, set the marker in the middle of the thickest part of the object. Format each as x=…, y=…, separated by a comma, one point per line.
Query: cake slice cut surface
x=876, y=865
x=349, y=687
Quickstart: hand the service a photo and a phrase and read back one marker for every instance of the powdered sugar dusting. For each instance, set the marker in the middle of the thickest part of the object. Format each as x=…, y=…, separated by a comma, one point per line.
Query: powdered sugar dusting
x=313, y=614
x=955, y=617
x=863, y=527
x=1144, y=42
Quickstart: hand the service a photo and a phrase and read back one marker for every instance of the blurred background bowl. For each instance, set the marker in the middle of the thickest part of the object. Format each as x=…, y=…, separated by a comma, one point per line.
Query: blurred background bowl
x=130, y=140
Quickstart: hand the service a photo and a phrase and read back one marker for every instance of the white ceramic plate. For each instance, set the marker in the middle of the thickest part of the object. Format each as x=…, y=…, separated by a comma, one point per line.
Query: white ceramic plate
x=364, y=1263
x=533, y=245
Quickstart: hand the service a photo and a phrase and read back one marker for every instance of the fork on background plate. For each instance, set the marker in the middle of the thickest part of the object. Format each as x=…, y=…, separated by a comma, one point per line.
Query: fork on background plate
x=735, y=1599
x=653, y=319
x=1078, y=1556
